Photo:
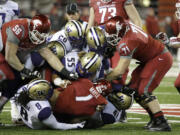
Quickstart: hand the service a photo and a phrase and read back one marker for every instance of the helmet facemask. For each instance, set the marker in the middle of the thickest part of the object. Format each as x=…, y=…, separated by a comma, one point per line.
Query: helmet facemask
x=36, y=37
x=114, y=38
x=39, y=29
x=76, y=42
x=178, y=10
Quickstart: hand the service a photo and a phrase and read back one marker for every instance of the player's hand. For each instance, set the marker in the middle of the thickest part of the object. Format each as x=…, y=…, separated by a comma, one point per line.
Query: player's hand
x=99, y=108
x=61, y=83
x=65, y=74
x=74, y=75
x=109, y=51
x=26, y=73
x=81, y=125
x=163, y=38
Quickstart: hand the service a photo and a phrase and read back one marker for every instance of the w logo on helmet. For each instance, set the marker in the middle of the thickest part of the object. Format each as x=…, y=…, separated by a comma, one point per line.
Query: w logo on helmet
x=68, y=29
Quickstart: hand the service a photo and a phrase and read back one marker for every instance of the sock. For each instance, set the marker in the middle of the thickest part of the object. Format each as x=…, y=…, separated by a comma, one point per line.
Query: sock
x=159, y=115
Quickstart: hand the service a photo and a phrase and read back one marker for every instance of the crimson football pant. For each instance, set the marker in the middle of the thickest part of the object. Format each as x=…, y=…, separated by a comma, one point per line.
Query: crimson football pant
x=146, y=77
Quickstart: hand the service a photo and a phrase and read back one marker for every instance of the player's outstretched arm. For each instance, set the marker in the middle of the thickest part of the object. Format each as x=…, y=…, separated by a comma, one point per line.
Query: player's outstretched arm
x=91, y=18
x=51, y=122
x=133, y=14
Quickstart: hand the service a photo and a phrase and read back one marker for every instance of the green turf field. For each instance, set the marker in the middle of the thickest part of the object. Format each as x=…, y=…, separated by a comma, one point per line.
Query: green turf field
x=166, y=94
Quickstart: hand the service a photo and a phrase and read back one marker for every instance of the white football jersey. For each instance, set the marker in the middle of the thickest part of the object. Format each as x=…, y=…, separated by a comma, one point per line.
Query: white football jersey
x=61, y=38
x=33, y=112
x=8, y=11
x=111, y=110
x=71, y=60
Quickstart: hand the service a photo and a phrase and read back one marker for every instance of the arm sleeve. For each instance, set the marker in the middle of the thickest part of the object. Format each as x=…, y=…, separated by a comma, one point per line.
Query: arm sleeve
x=51, y=122
x=128, y=2
x=11, y=37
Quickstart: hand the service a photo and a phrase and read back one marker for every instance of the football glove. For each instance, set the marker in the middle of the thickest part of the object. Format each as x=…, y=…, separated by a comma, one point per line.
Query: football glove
x=26, y=73
x=163, y=38
x=109, y=51
x=81, y=125
x=65, y=74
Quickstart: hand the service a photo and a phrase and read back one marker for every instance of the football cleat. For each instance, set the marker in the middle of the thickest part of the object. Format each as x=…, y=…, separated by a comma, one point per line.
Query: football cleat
x=160, y=125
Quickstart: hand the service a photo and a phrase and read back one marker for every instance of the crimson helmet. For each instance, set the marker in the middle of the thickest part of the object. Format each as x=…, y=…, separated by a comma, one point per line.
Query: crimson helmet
x=39, y=29
x=103, y=87
x=115, y=29
x=178, y=9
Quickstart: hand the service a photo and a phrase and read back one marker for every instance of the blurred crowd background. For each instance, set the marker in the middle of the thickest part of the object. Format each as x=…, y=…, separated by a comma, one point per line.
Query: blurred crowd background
x=157, y=15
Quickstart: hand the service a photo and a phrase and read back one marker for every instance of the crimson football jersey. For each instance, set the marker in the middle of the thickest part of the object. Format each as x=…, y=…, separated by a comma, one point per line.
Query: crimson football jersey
x=19, y=31
x=139, y=45
x=79, y=98
x=106, y=10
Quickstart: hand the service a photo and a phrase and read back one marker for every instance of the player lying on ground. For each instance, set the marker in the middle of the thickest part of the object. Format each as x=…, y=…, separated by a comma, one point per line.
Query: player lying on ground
x=35, y=109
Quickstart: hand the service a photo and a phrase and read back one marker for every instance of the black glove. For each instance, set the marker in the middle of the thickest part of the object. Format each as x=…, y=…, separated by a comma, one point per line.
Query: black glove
x=26, y=73
x=127, y=90
x=68, y=75
x=109, y=51
x=163, y=38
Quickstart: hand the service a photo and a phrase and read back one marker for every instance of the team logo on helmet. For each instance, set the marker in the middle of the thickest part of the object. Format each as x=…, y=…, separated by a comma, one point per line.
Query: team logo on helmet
x=39, y=89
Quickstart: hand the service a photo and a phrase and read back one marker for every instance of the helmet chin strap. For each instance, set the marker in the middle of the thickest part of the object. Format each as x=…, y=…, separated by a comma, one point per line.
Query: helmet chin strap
x=177, y=14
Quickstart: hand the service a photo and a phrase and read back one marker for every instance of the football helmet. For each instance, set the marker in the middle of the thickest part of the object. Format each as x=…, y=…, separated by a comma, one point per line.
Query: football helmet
x=39, y=89
x=115, y=29
x=95, y=37
x=88, y=64
x=178, y=9
x=74, y=32
x=120, y=100
x=39, y=29
x=57, y=48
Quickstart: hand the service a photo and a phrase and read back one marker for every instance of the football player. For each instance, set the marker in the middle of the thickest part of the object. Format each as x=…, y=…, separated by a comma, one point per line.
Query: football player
x=86, y=98
x=154, y=62
x=23, y=36
x=34, y=108
x=102, y=10
x=9, y=11
x=173, y=42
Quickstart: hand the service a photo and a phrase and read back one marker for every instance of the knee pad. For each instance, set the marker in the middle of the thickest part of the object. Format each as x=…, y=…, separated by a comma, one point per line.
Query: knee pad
x=127, y=90
x=144, y=99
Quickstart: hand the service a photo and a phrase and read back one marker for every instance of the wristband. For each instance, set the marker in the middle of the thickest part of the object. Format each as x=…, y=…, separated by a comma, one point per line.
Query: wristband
x=64, y=73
